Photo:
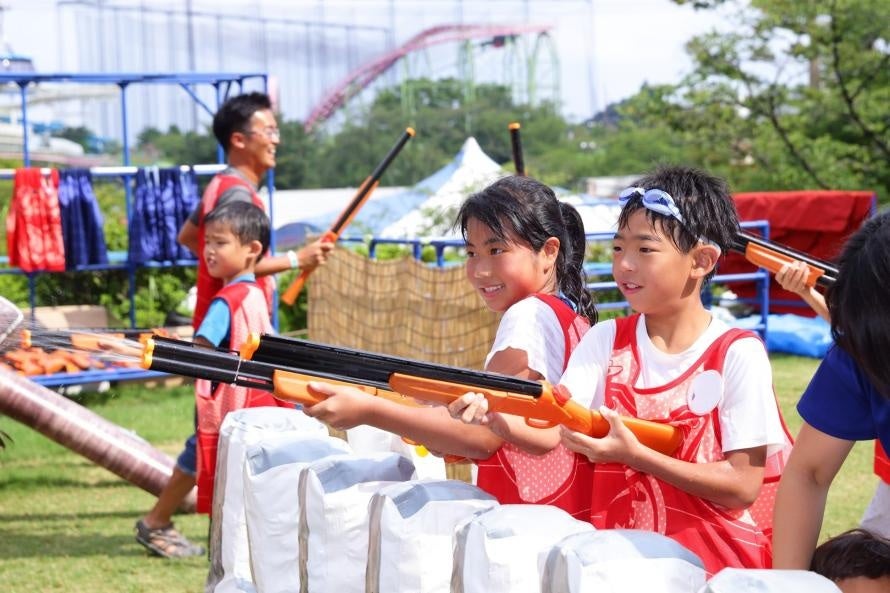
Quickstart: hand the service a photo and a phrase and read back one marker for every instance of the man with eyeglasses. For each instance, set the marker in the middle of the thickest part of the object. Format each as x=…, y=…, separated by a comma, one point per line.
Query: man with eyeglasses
x=246, y=129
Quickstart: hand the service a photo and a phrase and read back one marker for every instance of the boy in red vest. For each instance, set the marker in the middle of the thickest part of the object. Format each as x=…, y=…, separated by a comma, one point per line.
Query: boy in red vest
x=247, y=130
x=236, y=236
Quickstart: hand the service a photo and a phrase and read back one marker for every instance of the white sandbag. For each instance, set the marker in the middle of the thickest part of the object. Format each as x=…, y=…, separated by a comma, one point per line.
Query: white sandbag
x=366, y=439
x=271, y=505
x=334, y=495
x=741, y=580
x=498, y=551
x=229, y=553
x=620, y=561
x=411, y=529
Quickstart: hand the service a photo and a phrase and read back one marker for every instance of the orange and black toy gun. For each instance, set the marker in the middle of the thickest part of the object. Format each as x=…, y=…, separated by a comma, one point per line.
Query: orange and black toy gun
x=285, y=366
x=361, y=196
x=516, y=146
x=772, y=256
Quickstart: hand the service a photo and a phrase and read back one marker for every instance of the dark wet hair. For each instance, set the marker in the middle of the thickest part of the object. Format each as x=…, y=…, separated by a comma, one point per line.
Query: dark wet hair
x=246, y=220
x=704, y=202
x=854, y=553
x=858, y=301
x=234, y=115
x=524, y=209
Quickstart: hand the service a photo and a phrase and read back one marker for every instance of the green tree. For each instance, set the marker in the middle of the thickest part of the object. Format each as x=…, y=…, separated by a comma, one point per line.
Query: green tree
x=795, y=96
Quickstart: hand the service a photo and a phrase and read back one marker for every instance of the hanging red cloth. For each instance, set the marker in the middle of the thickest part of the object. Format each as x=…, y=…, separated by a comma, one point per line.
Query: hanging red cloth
x=817, y=222
x=34, y=223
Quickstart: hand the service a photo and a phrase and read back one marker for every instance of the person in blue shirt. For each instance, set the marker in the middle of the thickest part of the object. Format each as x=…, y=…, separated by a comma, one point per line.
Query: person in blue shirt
x=847, y=400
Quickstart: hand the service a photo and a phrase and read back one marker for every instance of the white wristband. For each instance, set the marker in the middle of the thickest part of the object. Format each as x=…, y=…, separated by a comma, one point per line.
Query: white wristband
x=293, y=259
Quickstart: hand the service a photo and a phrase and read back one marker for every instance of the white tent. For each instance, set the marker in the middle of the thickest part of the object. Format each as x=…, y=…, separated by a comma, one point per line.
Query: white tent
x=391, y=212
x=425, y=210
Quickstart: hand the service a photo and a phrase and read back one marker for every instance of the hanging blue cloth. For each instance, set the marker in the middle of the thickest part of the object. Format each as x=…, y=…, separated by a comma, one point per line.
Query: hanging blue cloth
x=82, y=221
x=162, y=200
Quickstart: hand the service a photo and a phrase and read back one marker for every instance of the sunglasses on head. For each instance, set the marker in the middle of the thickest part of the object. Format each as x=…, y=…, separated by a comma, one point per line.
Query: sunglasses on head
x=660, y=201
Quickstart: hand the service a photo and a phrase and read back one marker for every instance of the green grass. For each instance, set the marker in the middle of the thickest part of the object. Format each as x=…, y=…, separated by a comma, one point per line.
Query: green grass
x=67, y=525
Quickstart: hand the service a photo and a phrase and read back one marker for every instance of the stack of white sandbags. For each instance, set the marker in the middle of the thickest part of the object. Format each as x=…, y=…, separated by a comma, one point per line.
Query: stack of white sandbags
x=366, y=440
x=503, y=549
x=412, y=528
x=272, y=507
x=334, y=494
x=739, y=580
x=229, y=551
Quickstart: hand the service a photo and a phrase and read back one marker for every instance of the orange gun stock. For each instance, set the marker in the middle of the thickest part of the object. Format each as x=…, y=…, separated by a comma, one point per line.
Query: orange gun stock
x=361, y=196
x=294, y=387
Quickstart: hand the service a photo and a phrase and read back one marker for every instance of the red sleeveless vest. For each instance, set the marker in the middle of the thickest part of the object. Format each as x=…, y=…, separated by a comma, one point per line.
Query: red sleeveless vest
x=560, y=478
x=626, y=498
x=206, y=284
x=882, y=463
x=247, y=306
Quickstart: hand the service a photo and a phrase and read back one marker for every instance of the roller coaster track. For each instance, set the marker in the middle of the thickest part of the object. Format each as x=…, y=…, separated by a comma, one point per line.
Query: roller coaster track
x=364, y=75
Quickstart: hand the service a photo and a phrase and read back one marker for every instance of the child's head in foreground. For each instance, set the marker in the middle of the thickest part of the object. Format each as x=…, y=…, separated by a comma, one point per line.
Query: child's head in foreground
x=859, y=301
x=858, y=561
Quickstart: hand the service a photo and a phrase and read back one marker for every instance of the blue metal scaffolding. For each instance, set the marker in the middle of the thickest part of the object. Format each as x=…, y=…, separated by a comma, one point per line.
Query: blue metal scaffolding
x=222, y=82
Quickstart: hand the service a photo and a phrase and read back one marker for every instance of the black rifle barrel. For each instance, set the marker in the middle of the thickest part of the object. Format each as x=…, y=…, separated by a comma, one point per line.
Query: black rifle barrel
x=377, y=368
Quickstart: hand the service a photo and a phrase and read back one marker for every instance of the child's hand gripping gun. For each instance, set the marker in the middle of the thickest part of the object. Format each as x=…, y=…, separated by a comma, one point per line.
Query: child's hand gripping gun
x=285, y=366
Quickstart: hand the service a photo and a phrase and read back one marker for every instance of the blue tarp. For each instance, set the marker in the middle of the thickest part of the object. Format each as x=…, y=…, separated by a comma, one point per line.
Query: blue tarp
x=794, y=334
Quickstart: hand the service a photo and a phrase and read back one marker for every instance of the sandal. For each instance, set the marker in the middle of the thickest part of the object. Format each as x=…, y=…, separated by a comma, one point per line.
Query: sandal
x=166, y=542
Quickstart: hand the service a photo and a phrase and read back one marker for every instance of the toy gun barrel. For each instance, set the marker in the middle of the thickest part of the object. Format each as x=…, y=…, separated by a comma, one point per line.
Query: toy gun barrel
x=187, y=359
x=374, y=367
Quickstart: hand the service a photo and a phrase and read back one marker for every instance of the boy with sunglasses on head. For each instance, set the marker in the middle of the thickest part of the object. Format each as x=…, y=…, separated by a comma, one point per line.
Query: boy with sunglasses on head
x=673, y=362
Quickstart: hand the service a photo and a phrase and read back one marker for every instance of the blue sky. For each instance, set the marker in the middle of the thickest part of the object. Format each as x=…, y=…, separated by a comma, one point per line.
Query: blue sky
x=607, y=48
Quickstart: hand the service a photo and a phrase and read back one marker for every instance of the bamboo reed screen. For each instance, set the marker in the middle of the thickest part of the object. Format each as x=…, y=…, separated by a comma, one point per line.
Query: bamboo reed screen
x=400, y=307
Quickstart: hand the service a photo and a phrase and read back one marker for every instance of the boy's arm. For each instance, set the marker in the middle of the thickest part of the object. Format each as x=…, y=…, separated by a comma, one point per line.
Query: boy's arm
x=733, y=483
x=800, y=502
x=215, y=326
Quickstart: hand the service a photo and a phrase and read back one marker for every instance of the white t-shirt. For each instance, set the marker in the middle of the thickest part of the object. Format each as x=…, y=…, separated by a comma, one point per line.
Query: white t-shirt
x=747, y=413
x=532, y=326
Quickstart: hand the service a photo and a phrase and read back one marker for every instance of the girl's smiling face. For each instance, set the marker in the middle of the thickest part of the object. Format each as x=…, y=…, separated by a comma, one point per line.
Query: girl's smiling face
x=504, y=270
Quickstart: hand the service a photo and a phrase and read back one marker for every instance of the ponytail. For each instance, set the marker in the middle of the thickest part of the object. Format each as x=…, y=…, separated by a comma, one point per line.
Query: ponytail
x=570, y=274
